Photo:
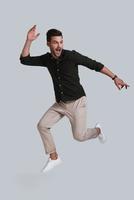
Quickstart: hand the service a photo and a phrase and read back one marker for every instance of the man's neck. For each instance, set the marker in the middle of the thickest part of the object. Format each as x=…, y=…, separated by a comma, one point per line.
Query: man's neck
x=56, y=57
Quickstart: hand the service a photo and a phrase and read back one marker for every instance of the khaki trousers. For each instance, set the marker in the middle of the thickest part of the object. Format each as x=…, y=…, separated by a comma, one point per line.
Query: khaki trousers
x=76, y=111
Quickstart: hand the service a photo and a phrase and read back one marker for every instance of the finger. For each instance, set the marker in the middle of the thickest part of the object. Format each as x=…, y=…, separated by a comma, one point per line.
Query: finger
x=122, y=86
x=37, y=35
x=126, y=86
x=33, y=28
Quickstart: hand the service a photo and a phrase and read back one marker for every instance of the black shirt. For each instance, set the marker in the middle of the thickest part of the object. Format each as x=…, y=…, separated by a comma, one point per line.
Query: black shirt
x=64, y=72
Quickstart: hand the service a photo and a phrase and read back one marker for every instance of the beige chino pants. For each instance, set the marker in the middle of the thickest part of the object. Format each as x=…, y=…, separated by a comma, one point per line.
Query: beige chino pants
x=76, y=111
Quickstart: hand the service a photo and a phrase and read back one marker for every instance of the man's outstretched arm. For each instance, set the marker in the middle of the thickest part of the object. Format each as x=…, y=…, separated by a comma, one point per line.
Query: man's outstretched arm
x=97, y=66
x=25, y=57
x=118, y=82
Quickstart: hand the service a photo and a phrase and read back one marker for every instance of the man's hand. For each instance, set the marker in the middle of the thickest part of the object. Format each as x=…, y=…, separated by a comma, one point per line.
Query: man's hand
x=31, y=35
x=120, y=83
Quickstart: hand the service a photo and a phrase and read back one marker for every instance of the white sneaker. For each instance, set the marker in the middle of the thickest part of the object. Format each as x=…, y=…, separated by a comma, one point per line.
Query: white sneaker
x=101, y=136
x=50, y=164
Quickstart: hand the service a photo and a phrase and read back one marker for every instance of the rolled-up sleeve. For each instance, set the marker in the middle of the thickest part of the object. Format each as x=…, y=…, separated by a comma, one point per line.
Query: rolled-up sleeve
x=33, y=60
x=86, y=61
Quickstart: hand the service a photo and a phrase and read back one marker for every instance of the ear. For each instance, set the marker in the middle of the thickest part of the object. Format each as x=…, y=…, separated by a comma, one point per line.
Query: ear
x=48, y=44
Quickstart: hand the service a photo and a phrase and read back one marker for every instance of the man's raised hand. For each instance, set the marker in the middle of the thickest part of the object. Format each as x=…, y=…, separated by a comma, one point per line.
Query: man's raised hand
x=31, y=35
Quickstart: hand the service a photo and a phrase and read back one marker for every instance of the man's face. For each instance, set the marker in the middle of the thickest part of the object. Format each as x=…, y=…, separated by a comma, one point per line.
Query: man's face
x=56, y=45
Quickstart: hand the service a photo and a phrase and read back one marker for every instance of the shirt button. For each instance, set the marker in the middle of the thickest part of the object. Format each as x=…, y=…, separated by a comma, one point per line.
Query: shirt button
x=61, y=92
x=60, y=85
x=58, y=77
x=58, y=70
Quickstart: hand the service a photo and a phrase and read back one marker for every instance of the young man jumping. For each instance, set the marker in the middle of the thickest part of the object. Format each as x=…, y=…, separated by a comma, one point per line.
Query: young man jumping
x=70, y=97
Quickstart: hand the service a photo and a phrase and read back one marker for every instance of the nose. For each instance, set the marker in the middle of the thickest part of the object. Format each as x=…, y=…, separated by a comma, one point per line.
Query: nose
x=59, y=45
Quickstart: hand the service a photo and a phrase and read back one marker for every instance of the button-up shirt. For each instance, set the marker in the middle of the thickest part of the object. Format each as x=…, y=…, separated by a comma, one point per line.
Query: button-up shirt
x=64, y=72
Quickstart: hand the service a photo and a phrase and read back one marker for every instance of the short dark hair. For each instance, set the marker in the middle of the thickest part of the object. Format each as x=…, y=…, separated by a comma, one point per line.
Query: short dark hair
x=53, y=32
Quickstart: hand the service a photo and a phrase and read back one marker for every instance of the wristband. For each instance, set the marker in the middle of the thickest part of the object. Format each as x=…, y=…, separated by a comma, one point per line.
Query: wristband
x=115, y=76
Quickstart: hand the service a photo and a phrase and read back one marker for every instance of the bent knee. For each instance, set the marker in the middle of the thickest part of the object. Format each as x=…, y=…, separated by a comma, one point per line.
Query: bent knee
x=41, y=126
x=79, y=137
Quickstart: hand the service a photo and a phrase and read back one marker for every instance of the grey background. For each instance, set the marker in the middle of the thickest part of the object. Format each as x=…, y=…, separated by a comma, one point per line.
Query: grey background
x=102, y=30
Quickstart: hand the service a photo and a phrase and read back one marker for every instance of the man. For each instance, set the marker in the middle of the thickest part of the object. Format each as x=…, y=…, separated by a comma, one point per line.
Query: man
x=69, y=94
